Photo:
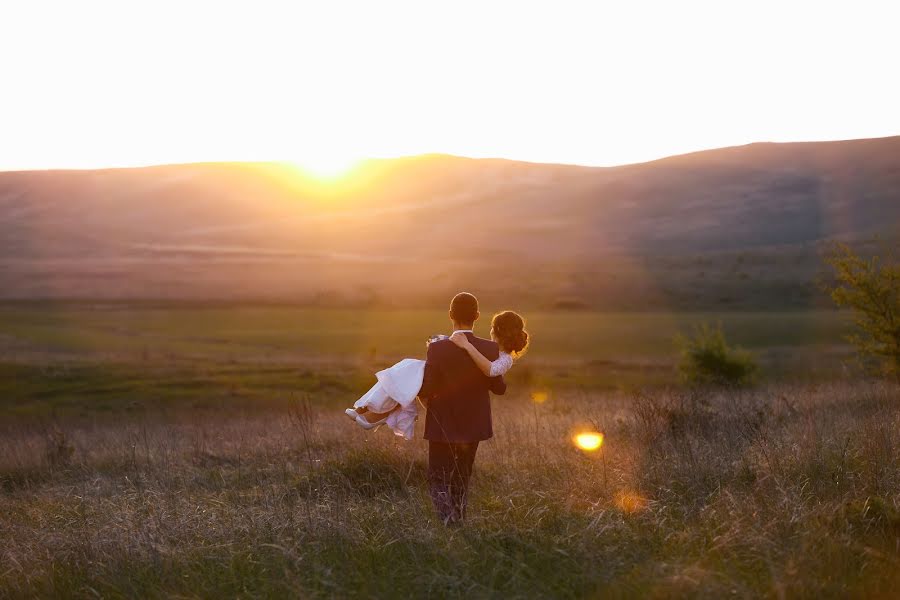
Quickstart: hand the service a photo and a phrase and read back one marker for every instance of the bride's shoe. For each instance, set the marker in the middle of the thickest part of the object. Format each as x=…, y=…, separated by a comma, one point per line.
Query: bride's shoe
x=351, y=412
x=361, y=421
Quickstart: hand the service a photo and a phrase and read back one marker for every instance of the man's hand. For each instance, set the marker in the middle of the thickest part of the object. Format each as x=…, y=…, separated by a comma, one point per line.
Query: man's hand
x=460, y=339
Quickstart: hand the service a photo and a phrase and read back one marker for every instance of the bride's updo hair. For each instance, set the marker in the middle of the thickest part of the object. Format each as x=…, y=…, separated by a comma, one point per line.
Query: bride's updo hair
x=509, y=331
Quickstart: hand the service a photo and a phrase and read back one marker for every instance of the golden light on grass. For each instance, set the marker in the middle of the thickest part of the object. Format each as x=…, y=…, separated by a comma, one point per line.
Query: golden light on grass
x=630, y=502
x=589, y=441
x=539, y=397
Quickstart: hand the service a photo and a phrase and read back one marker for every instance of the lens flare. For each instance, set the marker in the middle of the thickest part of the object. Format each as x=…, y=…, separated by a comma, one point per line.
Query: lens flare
x=589, y=441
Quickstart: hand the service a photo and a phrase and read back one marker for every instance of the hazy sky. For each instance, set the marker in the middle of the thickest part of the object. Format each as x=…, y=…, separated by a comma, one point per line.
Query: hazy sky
x=92, y=83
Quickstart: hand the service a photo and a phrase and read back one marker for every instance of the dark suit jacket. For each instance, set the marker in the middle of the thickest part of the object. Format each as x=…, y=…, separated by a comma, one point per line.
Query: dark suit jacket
x=456, y=392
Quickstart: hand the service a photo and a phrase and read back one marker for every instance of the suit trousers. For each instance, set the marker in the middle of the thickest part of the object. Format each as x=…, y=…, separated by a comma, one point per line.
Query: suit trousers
x=449, y=470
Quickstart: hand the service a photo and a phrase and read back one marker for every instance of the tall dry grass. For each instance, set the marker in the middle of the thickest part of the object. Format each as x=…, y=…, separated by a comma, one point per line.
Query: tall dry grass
x=777, y=492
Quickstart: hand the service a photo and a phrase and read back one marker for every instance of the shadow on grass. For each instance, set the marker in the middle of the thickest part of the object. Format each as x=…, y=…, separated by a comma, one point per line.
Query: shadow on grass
x=370, y=472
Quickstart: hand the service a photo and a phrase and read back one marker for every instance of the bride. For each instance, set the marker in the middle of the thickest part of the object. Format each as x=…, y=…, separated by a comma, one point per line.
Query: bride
x=391, y=401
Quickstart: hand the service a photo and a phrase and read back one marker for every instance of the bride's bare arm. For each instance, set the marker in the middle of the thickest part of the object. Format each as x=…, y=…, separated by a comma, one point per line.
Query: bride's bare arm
x=481, y=361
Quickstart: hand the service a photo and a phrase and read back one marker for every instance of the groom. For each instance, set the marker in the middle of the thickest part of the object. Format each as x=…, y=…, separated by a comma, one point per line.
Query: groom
x=458, y=410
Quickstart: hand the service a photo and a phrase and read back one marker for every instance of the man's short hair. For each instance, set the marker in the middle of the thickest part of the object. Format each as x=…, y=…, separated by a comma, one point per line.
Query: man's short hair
x=464, y=308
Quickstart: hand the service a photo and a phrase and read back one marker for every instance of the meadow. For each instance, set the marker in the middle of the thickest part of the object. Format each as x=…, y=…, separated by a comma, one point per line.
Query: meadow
x=160, y=451
x=91, y=360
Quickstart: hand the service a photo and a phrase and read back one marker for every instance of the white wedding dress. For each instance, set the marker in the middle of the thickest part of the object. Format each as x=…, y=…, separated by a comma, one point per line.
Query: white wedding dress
x=400, y=384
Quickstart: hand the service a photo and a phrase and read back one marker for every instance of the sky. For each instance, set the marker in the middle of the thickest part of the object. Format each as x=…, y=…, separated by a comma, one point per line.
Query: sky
x=128, y=82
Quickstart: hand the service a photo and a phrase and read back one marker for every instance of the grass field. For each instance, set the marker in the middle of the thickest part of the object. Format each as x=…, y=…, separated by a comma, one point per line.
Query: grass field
x=348, y=335
x=108, y=359
x=176, y=451
x=788, y=491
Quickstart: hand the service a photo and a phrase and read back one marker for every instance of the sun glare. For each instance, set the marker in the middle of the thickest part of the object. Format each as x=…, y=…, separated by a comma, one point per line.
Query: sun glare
x=589, y=441
x=326, y=167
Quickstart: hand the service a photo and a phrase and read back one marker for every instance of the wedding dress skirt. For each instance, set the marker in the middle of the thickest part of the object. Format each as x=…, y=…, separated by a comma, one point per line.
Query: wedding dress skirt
x=399, y=384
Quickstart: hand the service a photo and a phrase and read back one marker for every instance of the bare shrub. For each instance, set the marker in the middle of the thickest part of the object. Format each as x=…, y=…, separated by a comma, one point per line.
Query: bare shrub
x=58, y=450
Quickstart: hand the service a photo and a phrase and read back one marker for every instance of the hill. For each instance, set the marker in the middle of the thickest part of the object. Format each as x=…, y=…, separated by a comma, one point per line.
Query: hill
x=734, y=227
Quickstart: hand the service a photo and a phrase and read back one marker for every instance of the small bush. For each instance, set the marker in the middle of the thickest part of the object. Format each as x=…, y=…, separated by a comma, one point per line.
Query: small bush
x=707, y=359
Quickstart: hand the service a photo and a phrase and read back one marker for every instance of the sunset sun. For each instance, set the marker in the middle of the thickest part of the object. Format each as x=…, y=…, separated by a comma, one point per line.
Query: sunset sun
x=326, y=167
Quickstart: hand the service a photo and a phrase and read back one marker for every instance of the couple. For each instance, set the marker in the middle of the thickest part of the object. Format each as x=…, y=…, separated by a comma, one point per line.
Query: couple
x=453, y=384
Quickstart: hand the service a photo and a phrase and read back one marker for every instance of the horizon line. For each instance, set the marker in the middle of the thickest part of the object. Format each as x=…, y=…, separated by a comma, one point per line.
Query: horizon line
x=146, y=165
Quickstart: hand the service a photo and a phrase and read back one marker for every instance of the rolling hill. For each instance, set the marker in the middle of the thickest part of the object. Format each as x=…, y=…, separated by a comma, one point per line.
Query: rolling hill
x=737, y=227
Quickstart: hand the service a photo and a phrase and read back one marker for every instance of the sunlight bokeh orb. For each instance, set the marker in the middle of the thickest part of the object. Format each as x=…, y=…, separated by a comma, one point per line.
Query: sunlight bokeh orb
x=589, y=441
